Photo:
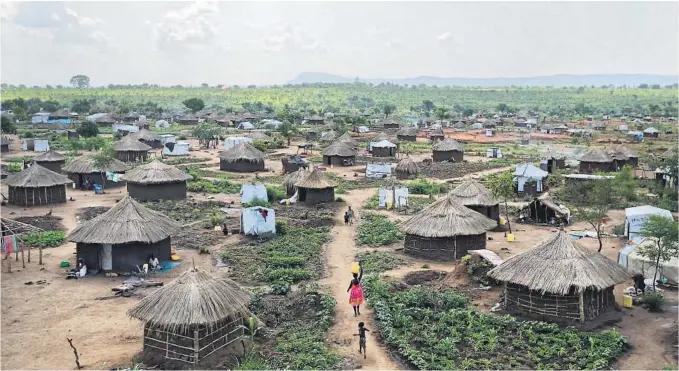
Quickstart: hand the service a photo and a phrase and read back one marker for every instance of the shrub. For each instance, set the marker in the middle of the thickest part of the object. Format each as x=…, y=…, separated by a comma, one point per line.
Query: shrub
x=619, y=229
x=281, y=288
x=281, y=227
x=257, y=202
x=213, y=186
x=181, y=137
x=380, y=261
x=339, y=199
x=262, y=146
x=377, y=230
x=275, y=193
x=88, y=129
x=422, y=186
x=653, y=301
x=28, y=134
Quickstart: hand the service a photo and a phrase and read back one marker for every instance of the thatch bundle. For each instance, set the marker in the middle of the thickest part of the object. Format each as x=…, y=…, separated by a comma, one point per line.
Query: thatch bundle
x=260, y=136
x=596, y=155
x=156, y=172
x=50, y=156
x=290, y=179
x=624, y=153
x=242, y=152
x=36, y=176
x=346, y=138
x=473, y=193
x=448, y=145
x=559, y=264
x=193, y=299
x=447, y=218
x=85, y=165
x=339, y=149
x=407, y=166
x=146, y=136
x=316, y=180
x=670, y=153
x=130, y=144
x=127, y=221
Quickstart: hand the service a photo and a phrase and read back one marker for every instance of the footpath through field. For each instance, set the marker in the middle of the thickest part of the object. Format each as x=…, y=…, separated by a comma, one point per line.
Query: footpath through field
x=341, y=252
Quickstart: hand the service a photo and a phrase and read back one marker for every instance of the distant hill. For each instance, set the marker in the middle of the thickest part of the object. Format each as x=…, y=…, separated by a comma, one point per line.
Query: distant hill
x=542, y=81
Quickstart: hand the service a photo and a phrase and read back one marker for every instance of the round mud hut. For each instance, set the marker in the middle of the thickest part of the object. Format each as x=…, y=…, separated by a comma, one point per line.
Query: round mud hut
x=149, y=138
x=51, y=160
x=316, y=188
x=596, y=160
x=327, y=137
x=339, y=154
x=260, y=136
x=436, y=134
x=84, y=167
x=242, y=158
x=445, y=231
x=383, y=148
x=348, y=140
x=156, y=181
x=406, y=169
x=475, y=196
x=192, y=317
x=130, y=149
x=407, y=134
x=622, y=156
x=290, y=179
x=36, y=186
x=559, y=280
x=448, y=150
x=124, y=237
x=106, y=120
x=293, y=163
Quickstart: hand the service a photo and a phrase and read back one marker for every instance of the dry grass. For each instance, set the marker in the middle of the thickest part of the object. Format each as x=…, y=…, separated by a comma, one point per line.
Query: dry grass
x=448, y=144
x=473, y=193
x=339, y=149
x=130, y=144
x=407, y=166
x=36, y=176
x=85, y=165
x=242, y=152
x=156, y=172
x=50, y=156
x=316, y=180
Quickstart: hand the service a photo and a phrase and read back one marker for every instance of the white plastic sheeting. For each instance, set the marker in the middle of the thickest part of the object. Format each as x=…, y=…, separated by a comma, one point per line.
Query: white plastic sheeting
x=630, y=258
x=254, y=223
x=176, y=149
x=250, y=191
x=167, y=138
x=231, y=142
x=635, y=217
x=362, y=129
x=494, y=152
x=528, y=172
x=162, y=124
x=246, y=125
x=377, y=170
x=125, y=127
x=94, y=117
x=290, y=200
x=39, y=145
x=392, y=197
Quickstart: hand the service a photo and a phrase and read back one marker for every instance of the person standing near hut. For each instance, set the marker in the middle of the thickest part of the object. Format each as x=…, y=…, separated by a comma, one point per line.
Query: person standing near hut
x=355, y=292
x=350, y=212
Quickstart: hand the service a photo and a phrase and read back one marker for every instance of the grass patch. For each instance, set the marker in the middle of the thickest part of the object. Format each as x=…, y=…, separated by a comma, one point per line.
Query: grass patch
x=287, y=259
x=186, y=211
x=422, y=186
x=373, y=202
x=43, y=239
x=380, y=261
x=377, y=230
x=416, y=204
x=415, y=147
x=434, y=329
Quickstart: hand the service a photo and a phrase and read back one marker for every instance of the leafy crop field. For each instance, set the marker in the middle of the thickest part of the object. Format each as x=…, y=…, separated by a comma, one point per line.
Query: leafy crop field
x=434, y=329
x=377, y=230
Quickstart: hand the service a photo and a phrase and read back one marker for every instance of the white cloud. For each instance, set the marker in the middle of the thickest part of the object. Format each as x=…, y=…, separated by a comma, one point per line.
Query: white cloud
x=292, y=38
x=55, y=16
x=83, y=21
x=394, y=43
x=444, y=36
x=8, y=10
x=189, y=26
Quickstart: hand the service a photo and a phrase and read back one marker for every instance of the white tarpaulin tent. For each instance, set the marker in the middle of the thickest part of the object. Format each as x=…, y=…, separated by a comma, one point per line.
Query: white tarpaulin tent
x=39, y=145
x=636, y=216
x=245, y=125
x=125, y=127
x=176, y=149
x=630, y=258
x=231, y=142
x=362, y=129
x=162, y=124
x=528, y=172
x=167, y=138
x=250, y=191
x=258, y=220
x=392, y=197
x=377, y=170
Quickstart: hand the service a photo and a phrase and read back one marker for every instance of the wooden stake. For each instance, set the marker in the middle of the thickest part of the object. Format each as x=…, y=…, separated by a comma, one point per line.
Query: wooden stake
x=23, y=262
x=8, y=257
x=581, y=304
x=40, y=255
x=75, y=351
x=29, y=254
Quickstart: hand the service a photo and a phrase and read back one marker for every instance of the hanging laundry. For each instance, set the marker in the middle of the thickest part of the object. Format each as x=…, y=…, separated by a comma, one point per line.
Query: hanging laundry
x=113, y=177
x=264, y=213
x=9, y=244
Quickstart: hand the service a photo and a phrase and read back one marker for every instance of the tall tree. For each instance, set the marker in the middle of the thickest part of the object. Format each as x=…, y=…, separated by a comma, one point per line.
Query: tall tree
x=591, y=201
x=441, y=114
x=664, y=232
x=207, y=134
x=501, y=186
x=287, y=130
x=80, y=81
x=388, y=109
x=626, y=184
x=6, y=125
x=428, y=105
x=102, y=160
x=88, y=129
x=194, y=104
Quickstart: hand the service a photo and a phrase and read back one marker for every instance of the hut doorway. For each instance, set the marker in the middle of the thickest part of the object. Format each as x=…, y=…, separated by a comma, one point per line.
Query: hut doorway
x=301, y=195
x=106, y=257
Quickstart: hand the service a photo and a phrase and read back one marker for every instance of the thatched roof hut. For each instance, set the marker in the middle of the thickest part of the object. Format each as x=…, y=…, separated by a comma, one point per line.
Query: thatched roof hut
x=445, y=230
x=156, y=181
x=105, y=120
x=124, y=237
x=346, y=138
x=291, y=178
x=406, y=168
x=149, y=138
x=595, y=160
x=243, y=157
x=188, y=119
x=315, y=188
x=83, y=167
x=558, y=279
x=51, y=160
x=407, y=134
x=35, y=186
x=328, y=136
x=338, y=153
x=475, y=196
x=448, y=150
x=260, y=136
x=622, y=156
x=437, y=134
x=129, y=149
x=61, y=113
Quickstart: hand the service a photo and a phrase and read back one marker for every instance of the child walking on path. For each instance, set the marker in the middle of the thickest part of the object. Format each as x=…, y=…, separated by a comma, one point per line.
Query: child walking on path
x=361, y=338
x=355, y=292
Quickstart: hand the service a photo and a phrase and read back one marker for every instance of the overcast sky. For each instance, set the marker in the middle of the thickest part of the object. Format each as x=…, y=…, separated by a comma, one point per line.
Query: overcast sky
x=270, y=43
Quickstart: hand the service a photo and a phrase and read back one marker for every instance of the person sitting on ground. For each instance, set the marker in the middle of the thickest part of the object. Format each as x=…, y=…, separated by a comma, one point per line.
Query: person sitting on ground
x=154, y=263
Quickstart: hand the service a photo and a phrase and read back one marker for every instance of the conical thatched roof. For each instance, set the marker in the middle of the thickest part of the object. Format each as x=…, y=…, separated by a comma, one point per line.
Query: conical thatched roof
x=558, y=264
x=127, y=221
x=193, y=299
x=36, y=176
x=146, y=136
x=290, y=179
x=346, y=138
x=596, y=155
x=339, y=149
x=130, y=144
x=50, y=156
x=623, y=153
x=436, y=132
x=407, y=166
x=156, y=172
x=316, y=180
x=670, y=153
x=409, y=131
x=448, y=144
x=85, y=165
x=328, y=136
x=106, y=119
x=60, y=113
x=473, y=193
x=243, y=151
x=383, y=136
x=447, y=218
x=258, y=135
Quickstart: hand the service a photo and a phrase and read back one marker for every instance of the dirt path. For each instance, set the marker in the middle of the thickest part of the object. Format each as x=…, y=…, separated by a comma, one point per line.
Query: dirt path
x=340, y=253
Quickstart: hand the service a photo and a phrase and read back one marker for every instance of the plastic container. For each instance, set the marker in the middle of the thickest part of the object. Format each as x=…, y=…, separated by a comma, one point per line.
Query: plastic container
x=502, y=220
x=355, y=268
x=627, y=301
x=510, y=237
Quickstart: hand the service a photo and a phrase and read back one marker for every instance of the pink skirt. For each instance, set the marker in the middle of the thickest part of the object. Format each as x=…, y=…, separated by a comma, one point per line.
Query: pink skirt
x=356, y=295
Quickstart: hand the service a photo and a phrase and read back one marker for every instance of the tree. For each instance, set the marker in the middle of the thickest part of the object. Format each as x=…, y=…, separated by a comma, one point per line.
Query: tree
x=591, y=201
x=102, y=160
x=428, y=105
x=194, y=104
x=441, y=114
x=287, y=130
x=80, y=81
x=7, y=126
x=206, y=134
x=88, y=129
x=626, y=184
x=502, y=107
x=82, y=106
x=501, y=186
x=388, y=109
x=664, y=232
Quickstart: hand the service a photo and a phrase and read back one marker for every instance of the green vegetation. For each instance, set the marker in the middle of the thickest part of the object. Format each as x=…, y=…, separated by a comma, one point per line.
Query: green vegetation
x=380, y=261
x=415, y=204
x=257, y=202
x=377, y=230
x=664, y=232
x=43, y=239
x=221, y=185
x=501, y=186
x=275, y=193
x=433, y=329
x=422, y=186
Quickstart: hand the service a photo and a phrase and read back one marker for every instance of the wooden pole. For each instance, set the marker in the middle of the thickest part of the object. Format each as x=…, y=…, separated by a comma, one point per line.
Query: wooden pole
x=9, y=263
x=23, y=262
x=504, y=290
x=29, y=254
x=40, y=255
x=581, y=306
x=196, y=346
